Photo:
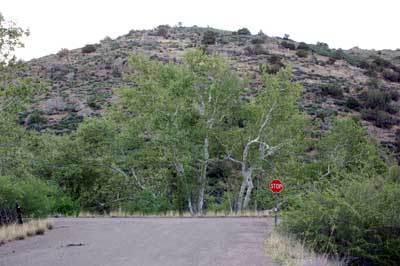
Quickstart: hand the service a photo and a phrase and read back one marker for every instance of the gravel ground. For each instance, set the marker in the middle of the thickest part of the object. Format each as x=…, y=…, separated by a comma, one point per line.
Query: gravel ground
x=144, y=242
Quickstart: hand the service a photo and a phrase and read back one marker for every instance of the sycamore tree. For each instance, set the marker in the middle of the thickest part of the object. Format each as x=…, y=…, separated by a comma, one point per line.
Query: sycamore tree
x=273, y=136
x=183, y=108
x=198, y=115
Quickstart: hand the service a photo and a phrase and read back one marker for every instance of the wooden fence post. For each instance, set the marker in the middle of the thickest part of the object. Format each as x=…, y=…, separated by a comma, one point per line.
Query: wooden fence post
x=19, y=213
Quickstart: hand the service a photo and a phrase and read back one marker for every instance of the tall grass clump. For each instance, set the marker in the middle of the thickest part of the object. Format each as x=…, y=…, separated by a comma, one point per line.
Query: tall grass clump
x=359, y=220
x=19, y=232
x=288, y=251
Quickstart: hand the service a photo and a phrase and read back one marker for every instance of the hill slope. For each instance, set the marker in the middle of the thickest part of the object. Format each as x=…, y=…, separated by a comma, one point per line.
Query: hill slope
x=359, y=83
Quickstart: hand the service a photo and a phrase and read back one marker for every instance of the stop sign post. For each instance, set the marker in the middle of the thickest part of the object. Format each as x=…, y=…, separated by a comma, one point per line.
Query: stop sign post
x=276, y=187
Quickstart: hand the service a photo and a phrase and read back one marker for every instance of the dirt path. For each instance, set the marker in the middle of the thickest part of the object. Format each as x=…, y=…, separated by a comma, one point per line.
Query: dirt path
x=144, y=242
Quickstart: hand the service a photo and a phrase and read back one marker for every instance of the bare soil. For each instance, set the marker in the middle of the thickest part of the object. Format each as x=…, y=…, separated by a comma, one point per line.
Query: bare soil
x=144, y=242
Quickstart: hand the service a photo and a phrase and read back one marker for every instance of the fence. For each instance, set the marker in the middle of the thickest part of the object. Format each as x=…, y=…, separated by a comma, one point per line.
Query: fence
x=11, y=216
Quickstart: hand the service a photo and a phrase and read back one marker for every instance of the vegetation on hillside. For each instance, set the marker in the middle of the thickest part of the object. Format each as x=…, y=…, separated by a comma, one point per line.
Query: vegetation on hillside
x=198, y=136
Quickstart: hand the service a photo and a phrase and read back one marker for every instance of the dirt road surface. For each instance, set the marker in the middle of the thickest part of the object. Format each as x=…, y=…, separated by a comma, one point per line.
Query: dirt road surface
x=144, y=242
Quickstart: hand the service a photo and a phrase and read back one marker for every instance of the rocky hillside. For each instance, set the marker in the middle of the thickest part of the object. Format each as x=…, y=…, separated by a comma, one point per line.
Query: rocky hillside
x=360, y=83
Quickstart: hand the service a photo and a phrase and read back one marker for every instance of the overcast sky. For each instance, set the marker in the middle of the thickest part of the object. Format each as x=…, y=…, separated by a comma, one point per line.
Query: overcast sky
x=56, y=24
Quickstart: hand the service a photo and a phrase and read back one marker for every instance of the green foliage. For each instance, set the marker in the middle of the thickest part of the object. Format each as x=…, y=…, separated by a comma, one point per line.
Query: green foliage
x=352, y=103
x=303, y=46
x=358, y=219
x=256, y=49
x=258, y=40
x=37, y=198
x=376, y=99
x=346, y=149
x=391, y=75
x=331, y=89
x=209, y=37
x=380, y=118
x=302, y=53
x=288, y=45
x=88, y=48
x=10, y=39
x=243, y=31
x=163, y=30
x=146, y=203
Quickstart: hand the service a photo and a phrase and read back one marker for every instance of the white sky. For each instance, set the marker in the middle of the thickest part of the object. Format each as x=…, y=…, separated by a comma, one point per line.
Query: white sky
x=56, y=24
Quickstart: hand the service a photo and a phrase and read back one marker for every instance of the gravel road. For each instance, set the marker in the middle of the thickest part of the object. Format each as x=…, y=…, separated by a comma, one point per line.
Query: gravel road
x=144, y=242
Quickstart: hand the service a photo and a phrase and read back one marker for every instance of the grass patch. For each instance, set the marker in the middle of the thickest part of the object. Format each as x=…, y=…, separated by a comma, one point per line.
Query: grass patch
x=19, y=232
x=289, y=252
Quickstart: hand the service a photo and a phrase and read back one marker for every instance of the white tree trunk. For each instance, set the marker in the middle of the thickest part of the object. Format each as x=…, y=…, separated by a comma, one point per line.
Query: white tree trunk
x=245, y=184
x=203, y=175
x=248, y=192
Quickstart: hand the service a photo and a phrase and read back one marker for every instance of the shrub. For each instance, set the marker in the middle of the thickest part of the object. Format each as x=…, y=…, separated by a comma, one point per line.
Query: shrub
x=352, y=103
x=303, y=46
x=35, y=196
x=62, y=53
x=288, y=45
x=163, y=30
x=394, y=95
x=391, y=75
x=376, y=99
x=331, y=89
x=36, y=117
x=258, y=40
x=380, y=118
x=275, y=59
x=256, y=50
x=209, y=37
x=302, y=53
x=89, y=48
x=94, y=102
x=357, y=219
x=394, y=174
x=146, y=203
x=243, y=31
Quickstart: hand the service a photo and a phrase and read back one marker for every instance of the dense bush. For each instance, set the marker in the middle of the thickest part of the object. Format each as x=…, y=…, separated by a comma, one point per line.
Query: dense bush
x=357, y=219
x=256, y=50
x=380, y=118
x=63, y=53
x=288, y=45
x=163, y=30
x=36, y=117
x=376, y=99
x=391, y=75
x=146, y=203
x=303, y=46
x=89, y=48
x=258, y=40
x=209, y=37
x=352, y=103
x=331, y=89
x=302, y=53
x=274, y=64
x=36, y=197
x=243, y=31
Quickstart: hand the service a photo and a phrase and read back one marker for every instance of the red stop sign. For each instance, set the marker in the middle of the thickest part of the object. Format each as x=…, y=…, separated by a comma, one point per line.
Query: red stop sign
x=276, y=186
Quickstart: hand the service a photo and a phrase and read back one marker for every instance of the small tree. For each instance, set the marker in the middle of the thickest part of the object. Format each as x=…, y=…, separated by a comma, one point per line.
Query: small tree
x=89, y=48
x=274, y=129
x=243, y=31
x=209, y=37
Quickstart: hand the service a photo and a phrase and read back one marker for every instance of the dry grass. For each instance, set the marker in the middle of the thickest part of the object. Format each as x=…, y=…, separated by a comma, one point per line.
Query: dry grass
x=19, y=232
x=289, y=252
x=120, y=213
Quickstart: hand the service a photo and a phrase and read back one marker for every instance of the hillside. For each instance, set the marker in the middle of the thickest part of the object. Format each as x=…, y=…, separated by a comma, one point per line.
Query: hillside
x=360, y=83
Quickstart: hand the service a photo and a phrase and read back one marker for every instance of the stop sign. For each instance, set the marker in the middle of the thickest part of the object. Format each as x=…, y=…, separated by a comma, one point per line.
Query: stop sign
x=276, y=186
